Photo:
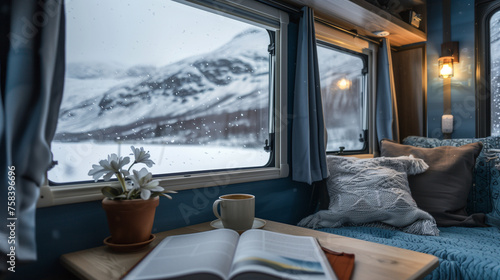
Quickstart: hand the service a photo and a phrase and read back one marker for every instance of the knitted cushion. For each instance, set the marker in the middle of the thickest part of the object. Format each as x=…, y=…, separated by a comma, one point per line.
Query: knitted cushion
x=373, y=191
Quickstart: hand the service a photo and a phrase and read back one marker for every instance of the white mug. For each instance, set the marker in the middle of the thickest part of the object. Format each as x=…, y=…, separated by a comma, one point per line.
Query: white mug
x=237, y=211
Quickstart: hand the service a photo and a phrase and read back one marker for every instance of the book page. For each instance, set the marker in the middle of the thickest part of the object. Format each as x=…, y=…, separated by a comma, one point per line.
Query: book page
x=283, y=255
x=180, y=255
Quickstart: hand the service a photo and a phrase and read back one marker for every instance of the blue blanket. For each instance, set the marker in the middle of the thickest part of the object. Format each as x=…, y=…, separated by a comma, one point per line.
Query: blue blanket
x=464, y=253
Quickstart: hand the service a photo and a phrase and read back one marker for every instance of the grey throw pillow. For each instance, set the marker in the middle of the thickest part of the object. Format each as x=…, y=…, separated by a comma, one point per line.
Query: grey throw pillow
x=364, y=191
x=443, y=189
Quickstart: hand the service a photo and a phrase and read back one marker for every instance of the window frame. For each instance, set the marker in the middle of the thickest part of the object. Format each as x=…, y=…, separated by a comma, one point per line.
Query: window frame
x=484, y=10
x=356, y=45
x=364, y=58
x=82, y=192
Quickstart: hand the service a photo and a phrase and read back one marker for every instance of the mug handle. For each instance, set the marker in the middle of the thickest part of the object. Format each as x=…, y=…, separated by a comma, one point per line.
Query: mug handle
x=214, y=208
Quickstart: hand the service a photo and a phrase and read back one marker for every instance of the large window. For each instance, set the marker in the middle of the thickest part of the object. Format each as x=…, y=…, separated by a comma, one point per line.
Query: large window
x=200, y=84
x=190, y=85
x=487, y=39
x=494, y=45
x=343, y=76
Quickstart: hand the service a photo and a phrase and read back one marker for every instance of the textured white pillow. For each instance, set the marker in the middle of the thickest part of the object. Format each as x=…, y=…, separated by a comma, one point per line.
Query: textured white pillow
x=376, y=190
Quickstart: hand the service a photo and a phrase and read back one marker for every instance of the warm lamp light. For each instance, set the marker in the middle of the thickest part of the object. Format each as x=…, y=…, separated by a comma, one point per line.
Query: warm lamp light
x=343, y=84
x=449, y=55
x=445, y=64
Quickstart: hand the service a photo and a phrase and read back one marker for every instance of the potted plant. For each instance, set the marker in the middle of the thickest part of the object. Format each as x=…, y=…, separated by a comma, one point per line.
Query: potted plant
x=130, y=207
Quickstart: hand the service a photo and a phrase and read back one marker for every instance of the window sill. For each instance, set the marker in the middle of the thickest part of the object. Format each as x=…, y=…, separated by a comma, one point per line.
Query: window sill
x=361, y=156
x=60, y=195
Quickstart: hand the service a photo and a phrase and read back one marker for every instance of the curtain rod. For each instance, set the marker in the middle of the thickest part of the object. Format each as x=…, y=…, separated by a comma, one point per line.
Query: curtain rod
x=282, y=6
x=329, y=24
x=292, y=9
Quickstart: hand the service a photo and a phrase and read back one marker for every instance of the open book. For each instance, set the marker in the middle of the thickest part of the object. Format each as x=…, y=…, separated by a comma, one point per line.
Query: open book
x=223, y=254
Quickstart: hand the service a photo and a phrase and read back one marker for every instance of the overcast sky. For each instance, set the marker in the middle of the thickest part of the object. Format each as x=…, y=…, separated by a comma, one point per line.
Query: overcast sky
x=154, y=32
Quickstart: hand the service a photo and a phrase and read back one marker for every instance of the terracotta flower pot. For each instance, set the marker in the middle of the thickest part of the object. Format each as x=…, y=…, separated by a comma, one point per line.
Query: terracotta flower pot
x=130, y=221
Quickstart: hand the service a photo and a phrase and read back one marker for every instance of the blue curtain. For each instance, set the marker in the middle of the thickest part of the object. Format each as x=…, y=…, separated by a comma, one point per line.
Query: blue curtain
x=31, y=83
x=308, y=128
x=387, y=113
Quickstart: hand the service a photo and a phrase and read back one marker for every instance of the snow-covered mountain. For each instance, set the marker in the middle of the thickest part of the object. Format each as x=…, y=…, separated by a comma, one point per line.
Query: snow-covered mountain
x=220, y=96
x=202, y=98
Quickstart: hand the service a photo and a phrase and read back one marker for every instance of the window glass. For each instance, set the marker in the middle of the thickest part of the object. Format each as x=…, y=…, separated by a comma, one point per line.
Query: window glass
x=343, y=92
x=495, y=72
x=188, y=85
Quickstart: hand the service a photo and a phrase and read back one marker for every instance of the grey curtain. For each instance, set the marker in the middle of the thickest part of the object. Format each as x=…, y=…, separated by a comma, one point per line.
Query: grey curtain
x=308, y=128
x=31, y=83
x=387, y=113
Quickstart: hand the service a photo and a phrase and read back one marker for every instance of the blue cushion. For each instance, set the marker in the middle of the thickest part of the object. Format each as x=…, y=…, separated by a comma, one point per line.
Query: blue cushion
x=464, y=253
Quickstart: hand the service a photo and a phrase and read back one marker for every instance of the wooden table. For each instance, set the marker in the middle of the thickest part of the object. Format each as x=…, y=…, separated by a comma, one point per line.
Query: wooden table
x=372, y=260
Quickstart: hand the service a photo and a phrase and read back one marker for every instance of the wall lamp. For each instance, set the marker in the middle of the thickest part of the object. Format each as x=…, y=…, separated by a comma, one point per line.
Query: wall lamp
x=449, y=55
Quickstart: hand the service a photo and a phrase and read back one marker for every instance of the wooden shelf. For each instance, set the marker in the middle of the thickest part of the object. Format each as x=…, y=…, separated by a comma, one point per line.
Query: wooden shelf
x=365, y=18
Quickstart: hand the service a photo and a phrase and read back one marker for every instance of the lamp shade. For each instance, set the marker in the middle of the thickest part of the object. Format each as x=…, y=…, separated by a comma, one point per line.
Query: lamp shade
x=445, y=64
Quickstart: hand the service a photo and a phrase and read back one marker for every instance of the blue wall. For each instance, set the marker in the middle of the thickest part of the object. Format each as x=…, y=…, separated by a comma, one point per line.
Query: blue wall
x=463, y=83
x=68, y=228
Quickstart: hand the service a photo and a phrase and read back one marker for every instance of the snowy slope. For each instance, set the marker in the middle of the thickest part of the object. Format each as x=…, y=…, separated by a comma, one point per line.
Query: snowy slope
x=221, y=96
x=103, y=102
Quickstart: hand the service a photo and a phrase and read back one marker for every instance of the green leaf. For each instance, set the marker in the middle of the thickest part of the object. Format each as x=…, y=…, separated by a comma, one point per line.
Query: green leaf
x=154, y=194
x=111, y=192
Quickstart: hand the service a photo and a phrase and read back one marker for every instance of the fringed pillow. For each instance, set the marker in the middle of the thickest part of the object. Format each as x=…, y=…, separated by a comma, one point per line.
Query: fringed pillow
x=373, y=192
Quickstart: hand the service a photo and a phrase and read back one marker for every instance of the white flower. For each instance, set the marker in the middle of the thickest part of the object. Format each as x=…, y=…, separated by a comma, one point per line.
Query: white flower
x=144, y=181
x=141, y=156
x=112, y=165
x=138, y=185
